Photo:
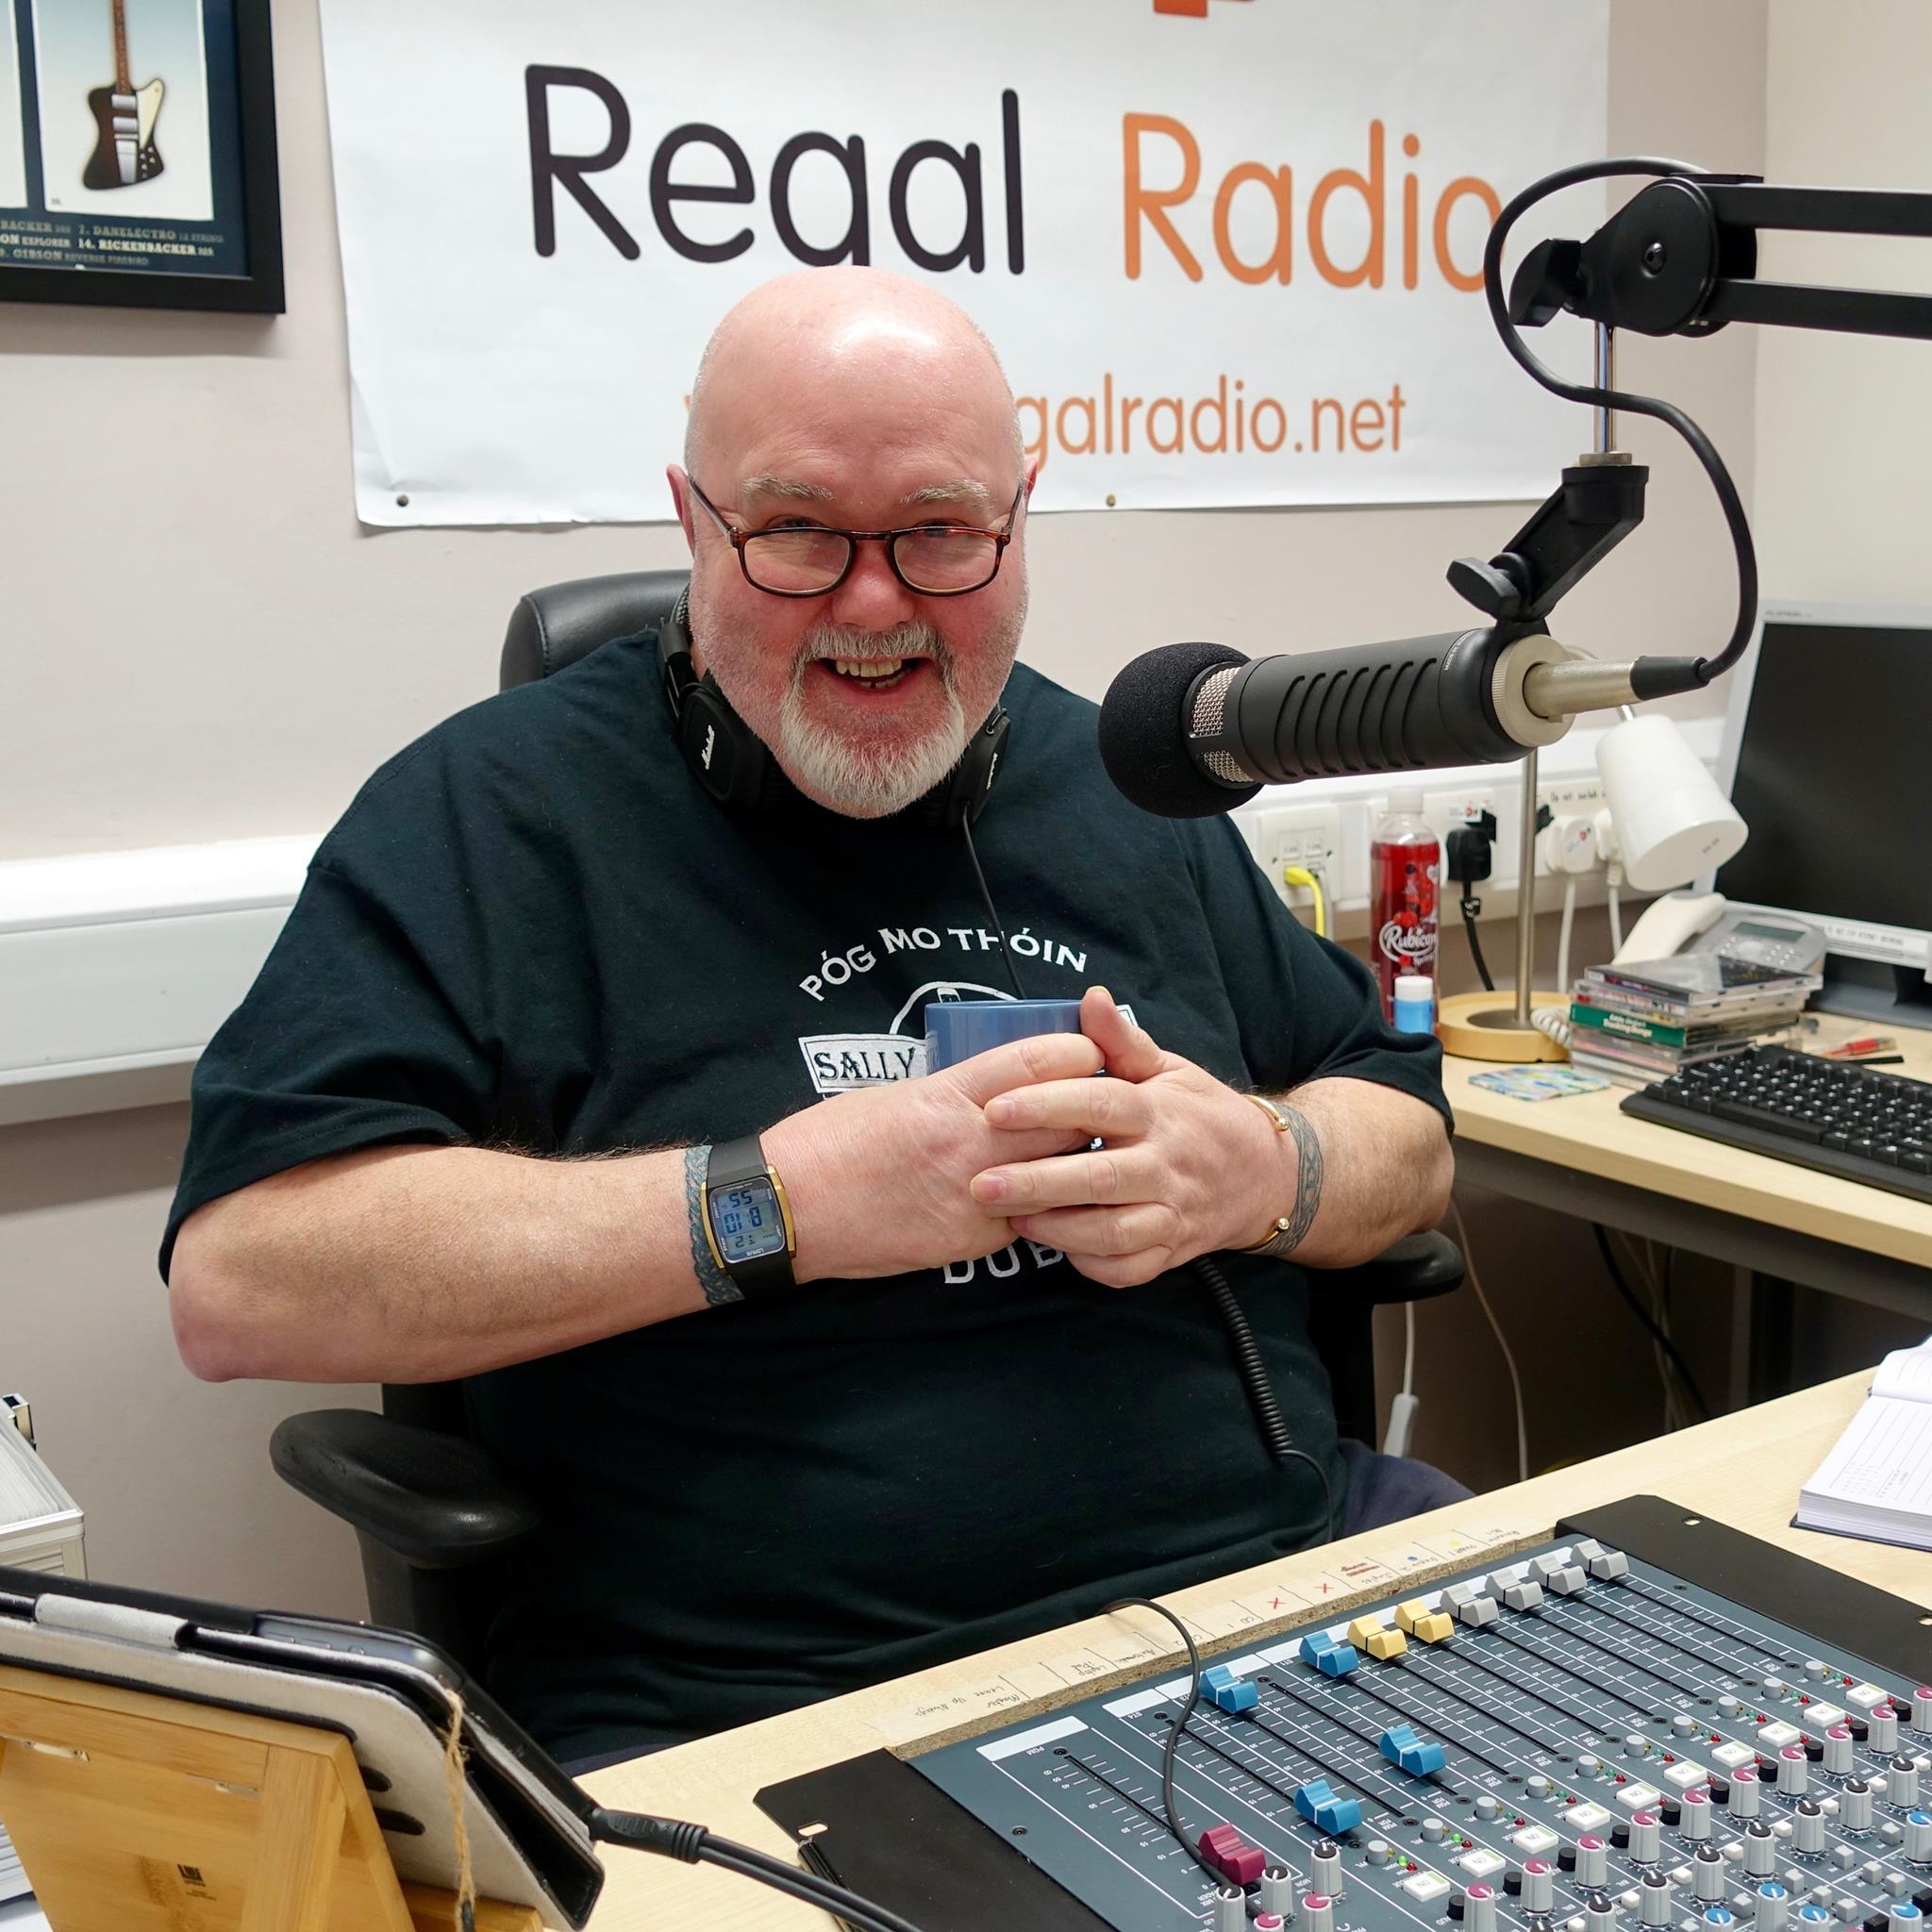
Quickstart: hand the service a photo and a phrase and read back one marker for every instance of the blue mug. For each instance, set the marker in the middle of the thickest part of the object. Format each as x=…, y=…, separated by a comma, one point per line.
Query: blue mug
x=958, y=1030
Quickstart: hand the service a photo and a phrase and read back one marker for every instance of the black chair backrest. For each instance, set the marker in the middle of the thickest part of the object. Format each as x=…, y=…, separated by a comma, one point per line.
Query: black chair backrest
x=555, y=626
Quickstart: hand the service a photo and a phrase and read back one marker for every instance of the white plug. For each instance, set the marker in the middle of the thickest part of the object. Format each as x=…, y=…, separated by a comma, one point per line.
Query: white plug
x=1402, y=1411
x=1609, y=845
x=1568, y=843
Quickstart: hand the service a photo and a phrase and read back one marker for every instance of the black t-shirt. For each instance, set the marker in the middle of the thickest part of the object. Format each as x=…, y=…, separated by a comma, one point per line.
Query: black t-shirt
x=532, y=930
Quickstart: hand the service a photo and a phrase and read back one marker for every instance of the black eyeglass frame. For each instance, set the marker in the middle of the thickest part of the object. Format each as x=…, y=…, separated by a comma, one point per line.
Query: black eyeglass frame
x=1001, y=537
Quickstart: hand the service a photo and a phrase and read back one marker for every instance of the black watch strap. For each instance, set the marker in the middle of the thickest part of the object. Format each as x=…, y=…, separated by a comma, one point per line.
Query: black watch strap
x=730, y=1163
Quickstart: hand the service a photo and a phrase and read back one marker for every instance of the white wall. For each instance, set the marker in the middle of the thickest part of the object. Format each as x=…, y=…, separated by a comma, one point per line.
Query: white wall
x=1843, y=421
x=201, y=643
x=209, y=646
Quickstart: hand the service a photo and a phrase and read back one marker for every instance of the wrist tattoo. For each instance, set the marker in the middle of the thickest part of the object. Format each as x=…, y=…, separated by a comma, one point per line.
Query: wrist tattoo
x=1308, y=1192
x=719, y=1287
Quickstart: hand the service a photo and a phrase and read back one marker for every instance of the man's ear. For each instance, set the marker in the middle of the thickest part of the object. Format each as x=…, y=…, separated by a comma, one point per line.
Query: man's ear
x=680, y=498
x=1032, y=475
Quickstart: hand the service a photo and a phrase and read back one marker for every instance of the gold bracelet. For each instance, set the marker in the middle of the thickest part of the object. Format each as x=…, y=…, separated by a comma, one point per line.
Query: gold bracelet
x=1281, y=1223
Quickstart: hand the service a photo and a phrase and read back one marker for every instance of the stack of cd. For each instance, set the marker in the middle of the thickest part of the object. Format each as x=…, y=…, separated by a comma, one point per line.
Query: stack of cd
x=1635, y=1023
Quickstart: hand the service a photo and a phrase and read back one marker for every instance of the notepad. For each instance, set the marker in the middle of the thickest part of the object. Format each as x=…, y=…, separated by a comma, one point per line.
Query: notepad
x=1877, y=1483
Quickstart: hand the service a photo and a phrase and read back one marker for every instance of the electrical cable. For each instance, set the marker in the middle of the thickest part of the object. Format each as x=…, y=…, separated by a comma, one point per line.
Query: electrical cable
x=1502, y=1341
x=1253, y=1370
x=986, y=894
x=1307, y=876
x=692, y=1844
x=1613, y=889
x=1701, y=670
x=1657, y=1279
x=1657, y=1333
x=1175, y=1730
x=1470, y=908
x=1565, y=931
x=1642, y=1263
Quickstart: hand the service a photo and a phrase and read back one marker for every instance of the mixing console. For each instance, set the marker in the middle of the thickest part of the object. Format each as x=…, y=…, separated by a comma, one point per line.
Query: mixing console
x=1578, y=1741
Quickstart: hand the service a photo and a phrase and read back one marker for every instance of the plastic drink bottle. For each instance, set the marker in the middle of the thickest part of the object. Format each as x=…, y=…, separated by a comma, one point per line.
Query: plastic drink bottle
x=1405, y=866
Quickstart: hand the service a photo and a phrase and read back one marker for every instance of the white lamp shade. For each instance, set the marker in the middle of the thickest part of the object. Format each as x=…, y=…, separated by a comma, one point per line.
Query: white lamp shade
x=1673, y=822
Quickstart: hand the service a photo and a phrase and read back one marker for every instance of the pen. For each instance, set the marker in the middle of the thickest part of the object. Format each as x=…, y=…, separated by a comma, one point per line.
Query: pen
x=1882, y=1059
x=1875, y=1042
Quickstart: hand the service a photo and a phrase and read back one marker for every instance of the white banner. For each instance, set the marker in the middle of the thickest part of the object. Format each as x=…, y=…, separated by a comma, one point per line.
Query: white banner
x=1230, y=250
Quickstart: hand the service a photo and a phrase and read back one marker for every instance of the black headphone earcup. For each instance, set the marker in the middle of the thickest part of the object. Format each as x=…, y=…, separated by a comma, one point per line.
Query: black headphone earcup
x=960, y=799
x=728, y=760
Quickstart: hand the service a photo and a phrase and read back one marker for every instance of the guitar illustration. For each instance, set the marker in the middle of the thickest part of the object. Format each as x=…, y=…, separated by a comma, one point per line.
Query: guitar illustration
x=125, y=116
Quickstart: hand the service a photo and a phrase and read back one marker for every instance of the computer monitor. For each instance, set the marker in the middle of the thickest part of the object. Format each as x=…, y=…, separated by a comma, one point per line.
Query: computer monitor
x=1827, y=755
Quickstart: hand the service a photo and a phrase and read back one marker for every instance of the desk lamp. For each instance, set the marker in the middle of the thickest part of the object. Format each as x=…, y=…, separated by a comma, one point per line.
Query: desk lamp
x=1191, y=730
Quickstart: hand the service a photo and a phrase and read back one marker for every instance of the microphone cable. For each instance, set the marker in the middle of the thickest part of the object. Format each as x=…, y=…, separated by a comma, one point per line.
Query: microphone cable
x=1250, y=1364
x=692, y=1844
x=1171, y=1744
x=1699, y=670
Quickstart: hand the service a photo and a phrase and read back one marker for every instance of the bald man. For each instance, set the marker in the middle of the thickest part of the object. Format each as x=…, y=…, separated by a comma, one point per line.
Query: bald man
x=552, y=1039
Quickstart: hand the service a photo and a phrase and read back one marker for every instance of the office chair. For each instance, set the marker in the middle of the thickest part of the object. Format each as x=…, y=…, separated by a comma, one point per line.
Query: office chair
x=439, y=1520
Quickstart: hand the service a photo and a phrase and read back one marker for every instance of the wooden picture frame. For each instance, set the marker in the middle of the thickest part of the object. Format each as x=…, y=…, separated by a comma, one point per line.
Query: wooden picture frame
x=128, y=188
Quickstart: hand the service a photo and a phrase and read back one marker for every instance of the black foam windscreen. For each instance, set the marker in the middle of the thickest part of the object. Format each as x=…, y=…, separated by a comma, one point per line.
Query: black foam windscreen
x=1143, y=738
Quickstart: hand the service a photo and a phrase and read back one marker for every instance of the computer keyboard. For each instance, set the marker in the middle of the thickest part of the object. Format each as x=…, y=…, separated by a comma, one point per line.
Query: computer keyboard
x=1833, y=1115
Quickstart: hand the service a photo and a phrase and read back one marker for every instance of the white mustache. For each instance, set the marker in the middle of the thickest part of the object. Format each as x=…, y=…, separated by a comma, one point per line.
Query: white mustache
x=908, y=641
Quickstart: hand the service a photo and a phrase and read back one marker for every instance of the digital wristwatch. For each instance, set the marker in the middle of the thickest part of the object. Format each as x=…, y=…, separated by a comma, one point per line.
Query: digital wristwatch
x=747, y=1218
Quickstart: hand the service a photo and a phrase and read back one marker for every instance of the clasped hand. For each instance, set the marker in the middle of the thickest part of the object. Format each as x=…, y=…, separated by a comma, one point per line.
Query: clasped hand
x=915, y=1174
x=1187, y=1165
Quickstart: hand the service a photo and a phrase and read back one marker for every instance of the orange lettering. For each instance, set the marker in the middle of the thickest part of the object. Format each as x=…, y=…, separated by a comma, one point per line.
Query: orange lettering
x=1153, y=202
x=1280, y=263
x=1035, y=442
x=1463, y=184
x=1369, y=187
x=1066, y=444
x=1218, y=403
x=1360, y=424
x=1172, y=406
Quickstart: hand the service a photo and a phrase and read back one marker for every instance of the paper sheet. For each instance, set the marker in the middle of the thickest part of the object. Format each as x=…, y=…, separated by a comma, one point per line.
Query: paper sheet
x=1907, y=1374
x=1882, y=1461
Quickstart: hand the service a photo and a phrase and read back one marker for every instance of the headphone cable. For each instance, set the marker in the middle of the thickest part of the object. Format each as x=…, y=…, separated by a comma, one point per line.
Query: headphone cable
x=991, y=911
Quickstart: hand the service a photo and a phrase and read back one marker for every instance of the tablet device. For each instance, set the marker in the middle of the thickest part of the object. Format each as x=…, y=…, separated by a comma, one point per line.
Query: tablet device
x=388, y=1693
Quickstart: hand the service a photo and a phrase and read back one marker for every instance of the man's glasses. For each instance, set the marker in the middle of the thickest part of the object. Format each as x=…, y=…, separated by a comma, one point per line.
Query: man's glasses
x=808, y=560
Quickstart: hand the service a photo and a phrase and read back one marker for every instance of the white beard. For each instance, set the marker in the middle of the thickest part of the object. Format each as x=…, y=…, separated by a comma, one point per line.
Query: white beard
x=871, y=781
x=870, y=776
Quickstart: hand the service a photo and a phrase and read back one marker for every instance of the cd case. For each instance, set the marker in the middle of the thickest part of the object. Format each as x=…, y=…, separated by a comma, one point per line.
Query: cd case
x=1702, y=977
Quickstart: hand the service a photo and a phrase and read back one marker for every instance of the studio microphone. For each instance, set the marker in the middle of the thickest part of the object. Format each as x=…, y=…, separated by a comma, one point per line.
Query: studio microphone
x=1191, y=730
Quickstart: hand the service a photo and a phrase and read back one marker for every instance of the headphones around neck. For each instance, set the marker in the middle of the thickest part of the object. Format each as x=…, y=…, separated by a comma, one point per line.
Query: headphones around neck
x=732, y=763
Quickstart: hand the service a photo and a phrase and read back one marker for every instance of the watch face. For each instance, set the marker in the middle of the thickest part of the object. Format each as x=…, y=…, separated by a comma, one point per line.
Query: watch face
x=745, y=1221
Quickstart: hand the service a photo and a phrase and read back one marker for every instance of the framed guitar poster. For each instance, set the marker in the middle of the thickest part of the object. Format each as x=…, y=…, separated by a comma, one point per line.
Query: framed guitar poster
x=138, y=154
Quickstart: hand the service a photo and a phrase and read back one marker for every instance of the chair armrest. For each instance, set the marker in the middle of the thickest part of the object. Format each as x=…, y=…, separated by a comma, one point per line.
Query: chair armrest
x=440, y=1502
x=1414, y=1269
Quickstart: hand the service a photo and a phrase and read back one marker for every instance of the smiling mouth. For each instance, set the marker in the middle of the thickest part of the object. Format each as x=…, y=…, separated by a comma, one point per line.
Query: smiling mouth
x=871, y=673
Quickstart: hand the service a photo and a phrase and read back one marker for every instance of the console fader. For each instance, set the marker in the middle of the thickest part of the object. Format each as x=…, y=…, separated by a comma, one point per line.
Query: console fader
x=1578, y=1741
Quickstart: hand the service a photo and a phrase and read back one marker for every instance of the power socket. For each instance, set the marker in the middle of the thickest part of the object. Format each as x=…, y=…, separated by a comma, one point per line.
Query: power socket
x=1447, y=811
x=1285, y=834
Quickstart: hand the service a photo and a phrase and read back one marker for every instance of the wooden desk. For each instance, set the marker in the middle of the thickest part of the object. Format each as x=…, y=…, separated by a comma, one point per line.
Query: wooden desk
x=1583, y=1156
x=1744, y=1470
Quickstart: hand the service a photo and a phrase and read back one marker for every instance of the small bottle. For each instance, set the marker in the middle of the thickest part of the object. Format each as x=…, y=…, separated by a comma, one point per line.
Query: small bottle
x=1405, y=864
x=1415, y=1003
